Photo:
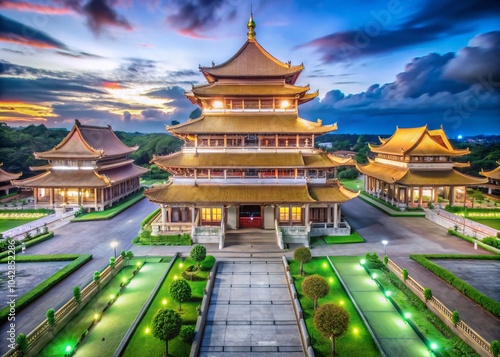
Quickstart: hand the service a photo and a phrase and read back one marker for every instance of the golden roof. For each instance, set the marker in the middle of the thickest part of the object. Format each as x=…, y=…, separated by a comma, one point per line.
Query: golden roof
x=252, y=61
x=493, y=174
x=417, y=142
x=243, y=160
x=342, y=161
x=123, y=173
x=88, y=142
x=249, y=194
x=404, y=176
x=274, y=90
x=7, y=176
x=251, y=123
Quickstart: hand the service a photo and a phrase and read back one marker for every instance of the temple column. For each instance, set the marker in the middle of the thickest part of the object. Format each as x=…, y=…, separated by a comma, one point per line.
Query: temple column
x=223, y=216
x=276, y=140
x=489, y=190
x=163, y=214
x=435, y=193
x=336, y=215
x=420, y=198
x=95, y=199
x=35, y=195
x=277, y=213
x=297, y=140
x=335, y=172
x=225, y=140
x=193, y=215
x=262, y=215
x=276, y=173
x=225, y=174
x=306, y=214
x=51, y=197
x=79, y=196
x=386, y=193
x=452, y=195
x=237, y=216
x=296, y=173
x=328, y=214
x=290, y=222
x=393, y=193
x=411, y=195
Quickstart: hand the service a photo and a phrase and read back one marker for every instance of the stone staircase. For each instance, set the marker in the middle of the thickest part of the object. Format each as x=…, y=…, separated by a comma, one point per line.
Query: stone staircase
x=250, y=243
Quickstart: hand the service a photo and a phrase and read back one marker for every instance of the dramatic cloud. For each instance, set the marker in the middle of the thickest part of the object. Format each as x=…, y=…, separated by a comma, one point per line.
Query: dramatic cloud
x=29, y=7
x=382, y=34
x=193, y=18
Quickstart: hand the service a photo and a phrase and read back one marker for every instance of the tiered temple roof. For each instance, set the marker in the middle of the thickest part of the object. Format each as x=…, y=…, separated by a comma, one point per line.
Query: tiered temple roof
x=493, y=174
x=6, y=178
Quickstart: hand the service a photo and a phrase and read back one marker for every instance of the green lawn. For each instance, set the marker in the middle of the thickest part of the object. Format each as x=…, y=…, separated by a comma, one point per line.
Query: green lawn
x=357, y=341
x=352, y=238
x=143, y=343
x=354, y=185
x=493, y=223
x=111, y=212
x=150, y=182
x=6, y=224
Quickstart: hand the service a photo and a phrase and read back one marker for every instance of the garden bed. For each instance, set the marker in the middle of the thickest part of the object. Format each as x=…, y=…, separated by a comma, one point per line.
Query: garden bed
x=113, y=211
x=357, y=341
x=352, y=238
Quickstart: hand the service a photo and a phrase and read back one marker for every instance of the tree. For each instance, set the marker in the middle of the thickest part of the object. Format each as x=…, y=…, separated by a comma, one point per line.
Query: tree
x=405, y=275
x=386, y=259
x=494, y=347
x=166, y=325
x=97, y=279
x=303, y=255
x=475, y=195
x=112, y=263
x=51, y=317
x=427, y=294
x=129, y=255
x=180, y=290
x=332, y=321
x=315, y=287
x=77, y=294
x=22, y=343
x=455, y=318
x=187, y=333
x=198, y=253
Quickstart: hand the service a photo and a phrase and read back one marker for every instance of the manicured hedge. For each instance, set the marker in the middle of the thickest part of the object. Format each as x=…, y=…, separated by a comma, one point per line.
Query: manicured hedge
x=43, y=258
x=36, y=292
x=112, y=211
x=29, y=243
x=149, y=217
x=472, y=240
x=469, y=291
x=494, y=242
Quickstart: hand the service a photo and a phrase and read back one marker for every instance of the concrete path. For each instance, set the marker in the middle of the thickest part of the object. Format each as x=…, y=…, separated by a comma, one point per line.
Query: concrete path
x=395, y=336
x=250, y=311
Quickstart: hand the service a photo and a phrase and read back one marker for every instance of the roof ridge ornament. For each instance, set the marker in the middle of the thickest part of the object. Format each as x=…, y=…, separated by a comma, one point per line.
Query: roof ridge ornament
x=251, y=27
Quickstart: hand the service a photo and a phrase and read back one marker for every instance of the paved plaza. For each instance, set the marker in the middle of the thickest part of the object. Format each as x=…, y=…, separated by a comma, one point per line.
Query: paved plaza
x=251, y=311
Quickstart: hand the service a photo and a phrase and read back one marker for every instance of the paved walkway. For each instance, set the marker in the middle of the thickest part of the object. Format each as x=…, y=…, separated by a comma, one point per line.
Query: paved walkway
x=388, y=210
x=250, y=311
x=395, y=336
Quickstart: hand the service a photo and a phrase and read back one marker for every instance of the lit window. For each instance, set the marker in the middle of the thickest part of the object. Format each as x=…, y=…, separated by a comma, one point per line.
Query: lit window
x=217, y=104
x=211, y=214
x=296, y=213
x=284, y=213
x=285, y=104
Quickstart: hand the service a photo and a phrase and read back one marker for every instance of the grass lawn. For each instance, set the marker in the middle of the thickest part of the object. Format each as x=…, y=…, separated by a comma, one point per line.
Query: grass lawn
x=354, y=185
x=493, y=223
x=111, y=212
x=357, y=341
x=150, y=182
x=6, y=224
x=143, y=343
x=352, y=238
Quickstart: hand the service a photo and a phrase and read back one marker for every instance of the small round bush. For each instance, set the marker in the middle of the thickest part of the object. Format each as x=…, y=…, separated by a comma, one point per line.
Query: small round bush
x=187, y=333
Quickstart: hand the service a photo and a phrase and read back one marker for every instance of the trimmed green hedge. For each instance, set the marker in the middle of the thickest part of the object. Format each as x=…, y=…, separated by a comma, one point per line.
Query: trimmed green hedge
x=112, y=211
x=41, y=288
x=469, y=291
x=150, y=217
x=472, y=240
x=29, y=243
x=30, y=210
x=43, y=258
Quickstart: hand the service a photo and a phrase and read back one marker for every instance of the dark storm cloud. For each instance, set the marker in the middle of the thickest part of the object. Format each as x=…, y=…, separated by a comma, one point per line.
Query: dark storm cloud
x=17, y=32
x=192, y=17
x=383, y=33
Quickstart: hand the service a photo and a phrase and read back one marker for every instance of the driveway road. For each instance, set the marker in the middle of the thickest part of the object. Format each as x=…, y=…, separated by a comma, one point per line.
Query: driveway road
x=81, y=238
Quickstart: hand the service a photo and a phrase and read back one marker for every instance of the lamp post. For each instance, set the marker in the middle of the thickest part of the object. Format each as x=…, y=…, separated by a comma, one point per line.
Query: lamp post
x=384, y=242
x=114, y=244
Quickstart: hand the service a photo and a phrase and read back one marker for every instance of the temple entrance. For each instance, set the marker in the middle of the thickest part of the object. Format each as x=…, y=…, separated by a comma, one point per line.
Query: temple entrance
x=250, y=216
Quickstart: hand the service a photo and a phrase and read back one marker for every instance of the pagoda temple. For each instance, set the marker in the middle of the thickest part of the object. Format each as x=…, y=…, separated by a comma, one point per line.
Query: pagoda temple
x=5, y=180
x=493, y=178
x=249, y=160
x=414, y=166
x=89, y=168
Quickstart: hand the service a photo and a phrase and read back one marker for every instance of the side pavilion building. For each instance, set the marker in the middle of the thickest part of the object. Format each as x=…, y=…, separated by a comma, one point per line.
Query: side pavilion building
x=414, y=166
x=493, y=178
x=249, y=160
x=89, y=168
x=5, y=180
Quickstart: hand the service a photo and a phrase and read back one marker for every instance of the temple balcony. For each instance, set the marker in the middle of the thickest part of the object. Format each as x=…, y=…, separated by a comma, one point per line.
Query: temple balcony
x=247, y=149
x=247, y=180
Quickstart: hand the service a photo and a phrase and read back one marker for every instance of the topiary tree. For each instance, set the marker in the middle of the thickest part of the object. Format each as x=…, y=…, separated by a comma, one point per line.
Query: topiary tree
x=405, y=275
x=198, y=253
x=166, y=325
x=315, y=287
x=427, y=294
x=180, y=290
x=303, y=255
x=77, y=294
x=97, y=279
x=51, y=317
x=386, y=259
x=129, y=255
x=22, y=343
x=455, y=318
x=495, y=348
x=187, y=333
x=112, y=262
x=332, y=321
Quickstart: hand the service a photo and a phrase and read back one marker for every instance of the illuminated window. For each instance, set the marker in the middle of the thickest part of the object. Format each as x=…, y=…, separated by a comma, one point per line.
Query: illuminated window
x=296, y=213
x=217, y=104
x=285, y=104
x=211, y=214
x=284, y=213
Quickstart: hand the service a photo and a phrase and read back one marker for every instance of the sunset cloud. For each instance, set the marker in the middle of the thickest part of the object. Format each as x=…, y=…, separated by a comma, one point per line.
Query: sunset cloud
x=30, y=7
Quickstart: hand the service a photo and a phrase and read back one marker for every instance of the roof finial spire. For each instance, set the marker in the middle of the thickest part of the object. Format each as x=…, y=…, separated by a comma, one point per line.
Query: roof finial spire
x=251, y=26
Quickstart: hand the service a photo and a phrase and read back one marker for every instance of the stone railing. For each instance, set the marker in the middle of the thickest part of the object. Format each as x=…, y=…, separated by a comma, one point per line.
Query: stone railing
x=43, y=333
x=207, y=234
x=295, y=234
x=222, y=237
x=464, y=331
x=467, y=226
x=33, y=226
x=328, y=229
x=299, y=314
x=279, y=235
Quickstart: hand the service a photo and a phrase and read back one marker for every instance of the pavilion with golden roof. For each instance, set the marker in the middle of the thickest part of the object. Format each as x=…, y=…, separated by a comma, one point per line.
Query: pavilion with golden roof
x=5, y=180
x=249, y=160
x=89, y=168
x=414, y=166
x=493, y=178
